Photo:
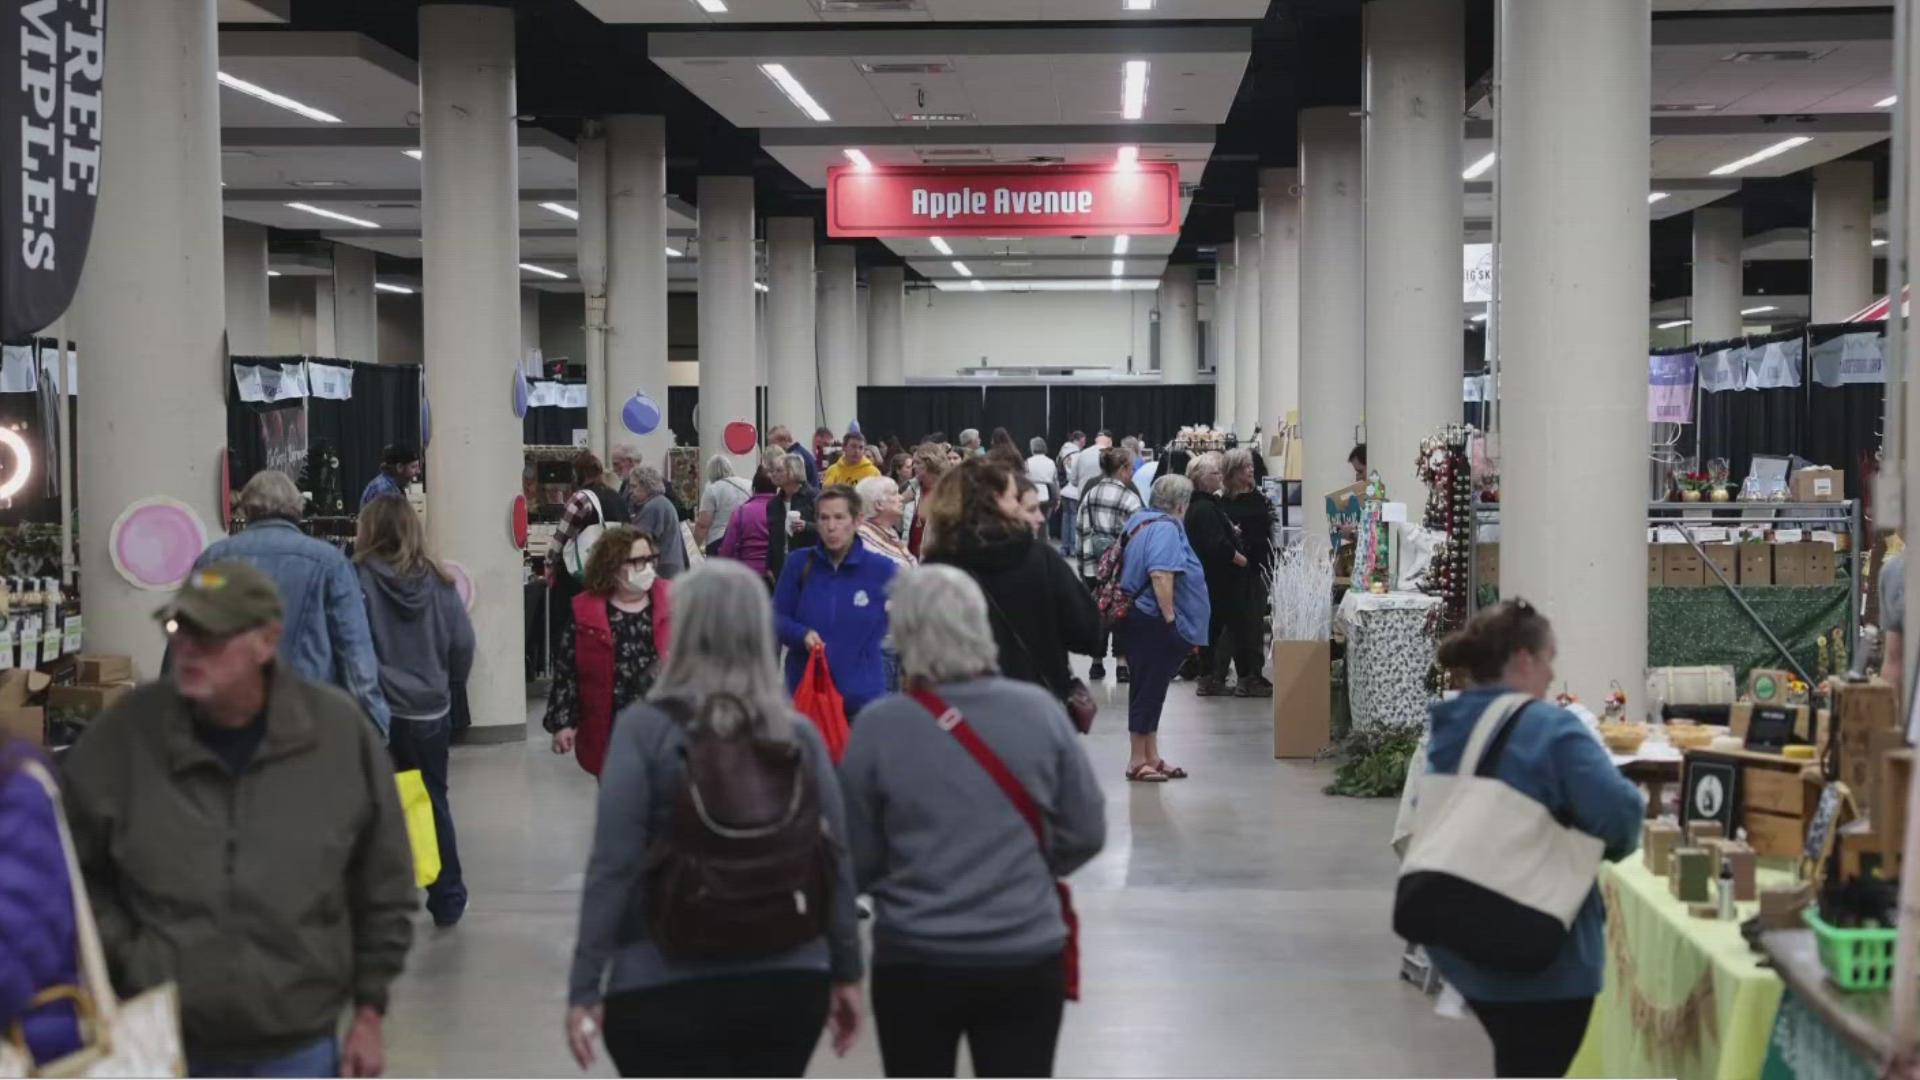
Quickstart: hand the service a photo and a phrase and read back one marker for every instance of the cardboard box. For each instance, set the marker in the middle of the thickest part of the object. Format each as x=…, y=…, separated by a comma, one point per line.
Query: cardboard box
x=103, y=669
x=1819, y=559
x=85, y=701
x=1302, y=698
x=1756, y=564
x=1725, y=558
x=1864, y=720
x=1656, y=565
x=1819, y=483
x=1681, y=567
x=1790, y=564
x=26, y=722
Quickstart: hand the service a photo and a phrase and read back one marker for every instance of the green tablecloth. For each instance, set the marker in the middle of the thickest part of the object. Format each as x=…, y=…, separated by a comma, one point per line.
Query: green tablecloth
x=1686, y=627
x=1684, y=997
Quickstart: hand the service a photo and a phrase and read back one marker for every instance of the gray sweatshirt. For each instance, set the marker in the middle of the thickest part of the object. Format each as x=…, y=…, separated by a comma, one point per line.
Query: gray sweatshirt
x=954, y=871
x=422, y=637
x=637, y=788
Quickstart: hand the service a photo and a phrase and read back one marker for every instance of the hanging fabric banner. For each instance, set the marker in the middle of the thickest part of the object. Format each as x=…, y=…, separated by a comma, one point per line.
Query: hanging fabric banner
x=573, y=395
x=330, y=382
x=17, y=370
x=283, y=434
x=1670, y=380
x=1723, y=369
x=1845, y=359
x=1775, y=364
x=264, y=384
x=50, y=159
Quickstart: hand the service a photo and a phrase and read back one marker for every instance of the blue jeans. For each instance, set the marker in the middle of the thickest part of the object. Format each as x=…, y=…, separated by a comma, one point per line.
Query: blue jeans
x=1070, y=525
x=422, y=744
x=318, y=1058
x=1154, y=650
x=891, y=659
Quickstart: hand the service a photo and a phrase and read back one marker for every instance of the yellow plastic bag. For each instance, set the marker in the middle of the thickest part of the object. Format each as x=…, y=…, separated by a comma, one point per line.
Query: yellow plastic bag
x=417, y=808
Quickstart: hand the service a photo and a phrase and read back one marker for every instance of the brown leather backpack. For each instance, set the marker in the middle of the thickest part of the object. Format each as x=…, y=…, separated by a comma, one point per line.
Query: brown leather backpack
x=746, y=867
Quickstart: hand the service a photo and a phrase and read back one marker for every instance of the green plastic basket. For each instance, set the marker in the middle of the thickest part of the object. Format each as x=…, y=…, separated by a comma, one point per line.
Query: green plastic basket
x=1854, y=959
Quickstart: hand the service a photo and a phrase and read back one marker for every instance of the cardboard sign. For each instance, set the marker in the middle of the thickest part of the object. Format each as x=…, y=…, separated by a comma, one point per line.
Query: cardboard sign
x=1142, y=199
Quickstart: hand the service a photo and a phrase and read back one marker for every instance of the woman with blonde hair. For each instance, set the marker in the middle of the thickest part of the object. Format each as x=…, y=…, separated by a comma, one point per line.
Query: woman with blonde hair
x=930, y=463
x=424, y=643
x=612, y=648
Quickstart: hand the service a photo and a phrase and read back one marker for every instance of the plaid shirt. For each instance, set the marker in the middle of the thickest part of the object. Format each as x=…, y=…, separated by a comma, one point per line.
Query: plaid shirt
x=578, y=515
x=1105, y=507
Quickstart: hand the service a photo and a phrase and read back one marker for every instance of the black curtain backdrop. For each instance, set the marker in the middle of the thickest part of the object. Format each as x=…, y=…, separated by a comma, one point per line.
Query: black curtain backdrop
x=551, y=425
x=1155, y=413
x=910, y=413
x=1022, y=410
x=384, y=409
x=1839, y=426
x=681, y=403
x=1070, y=409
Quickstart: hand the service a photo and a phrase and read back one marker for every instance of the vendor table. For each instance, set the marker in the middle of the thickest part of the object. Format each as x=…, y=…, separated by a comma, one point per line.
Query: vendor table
x=1689, y=627
x=1683, y=996
x=1388, y=654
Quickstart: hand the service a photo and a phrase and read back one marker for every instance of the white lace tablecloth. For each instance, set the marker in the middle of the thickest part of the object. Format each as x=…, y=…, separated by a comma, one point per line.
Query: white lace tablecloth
x=1388, y=654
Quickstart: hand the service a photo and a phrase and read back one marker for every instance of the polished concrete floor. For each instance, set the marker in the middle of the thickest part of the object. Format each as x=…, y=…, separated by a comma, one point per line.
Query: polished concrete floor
x=1236, y=925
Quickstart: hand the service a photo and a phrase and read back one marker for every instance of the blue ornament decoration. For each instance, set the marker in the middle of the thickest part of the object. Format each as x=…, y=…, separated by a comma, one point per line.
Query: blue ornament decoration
x=641, y=414
x=519, y=394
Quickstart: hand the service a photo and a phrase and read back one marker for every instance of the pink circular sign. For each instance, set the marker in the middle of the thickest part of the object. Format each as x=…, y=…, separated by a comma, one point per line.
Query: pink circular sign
x=155, y=541
x=462, y=581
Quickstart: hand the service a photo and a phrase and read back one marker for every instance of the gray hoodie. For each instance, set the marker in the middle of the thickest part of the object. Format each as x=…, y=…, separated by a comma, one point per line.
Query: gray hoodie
x=422, y=636
x=956, y=876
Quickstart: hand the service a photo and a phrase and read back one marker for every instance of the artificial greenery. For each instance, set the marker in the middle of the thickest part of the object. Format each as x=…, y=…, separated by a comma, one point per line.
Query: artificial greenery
x=1375, y=760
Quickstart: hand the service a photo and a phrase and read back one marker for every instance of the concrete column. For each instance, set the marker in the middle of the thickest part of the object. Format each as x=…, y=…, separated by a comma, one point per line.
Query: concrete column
x=1279, y=297
x=839, y=342
x=326, y=326
x=249, y=318
x=1415, y=61
x=1573, y=449
x=637, y=276
x=887, y=326
x=1179, y=326
x=1246, y=333
x=1332, y=303
x=1842, y=239
x=1226, y=325
x=793, y=379
x=727, y=342
x=470, y=206
x=150, y=315
x=603, y=404
x=356, y=319
x=1718, y=239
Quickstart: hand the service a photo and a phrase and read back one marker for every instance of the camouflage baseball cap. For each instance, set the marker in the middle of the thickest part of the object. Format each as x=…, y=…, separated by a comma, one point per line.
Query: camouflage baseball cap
x=225, y=598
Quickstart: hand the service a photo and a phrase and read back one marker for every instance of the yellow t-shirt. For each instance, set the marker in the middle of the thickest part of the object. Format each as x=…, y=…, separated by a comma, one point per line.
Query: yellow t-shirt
x=842, y=473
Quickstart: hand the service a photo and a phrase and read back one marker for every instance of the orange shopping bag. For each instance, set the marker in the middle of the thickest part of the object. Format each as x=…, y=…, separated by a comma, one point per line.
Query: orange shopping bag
x=820, y=701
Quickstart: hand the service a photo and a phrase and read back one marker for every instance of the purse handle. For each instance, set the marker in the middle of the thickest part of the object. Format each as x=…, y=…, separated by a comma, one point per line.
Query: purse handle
x=94, y=998
x=1491, y=729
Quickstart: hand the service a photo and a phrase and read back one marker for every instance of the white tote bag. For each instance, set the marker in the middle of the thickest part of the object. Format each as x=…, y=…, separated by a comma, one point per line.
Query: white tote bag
x=1489, y=874
x=136, y=1037
x=580, y=548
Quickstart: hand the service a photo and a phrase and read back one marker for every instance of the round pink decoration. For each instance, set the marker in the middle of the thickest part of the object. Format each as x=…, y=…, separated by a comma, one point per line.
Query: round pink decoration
x=155, y=541
x=462, y=581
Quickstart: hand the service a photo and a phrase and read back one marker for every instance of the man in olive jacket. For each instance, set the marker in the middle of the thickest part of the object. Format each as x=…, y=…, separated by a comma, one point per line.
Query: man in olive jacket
x=241, y=836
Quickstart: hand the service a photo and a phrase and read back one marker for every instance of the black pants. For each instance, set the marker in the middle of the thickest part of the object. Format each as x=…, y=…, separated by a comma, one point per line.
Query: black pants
x=422, y=744
x=763, y=1024
x=1009, y=1016
x=1237, y=633
x=1534, y=1038
x=1106, y=632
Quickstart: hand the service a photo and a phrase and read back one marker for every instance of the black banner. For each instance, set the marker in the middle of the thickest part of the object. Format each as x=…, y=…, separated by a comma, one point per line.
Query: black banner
x=49, y=156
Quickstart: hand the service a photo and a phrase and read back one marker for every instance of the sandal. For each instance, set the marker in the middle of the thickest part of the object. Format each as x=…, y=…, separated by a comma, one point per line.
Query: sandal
x=1171, y=772
x=1145, y=774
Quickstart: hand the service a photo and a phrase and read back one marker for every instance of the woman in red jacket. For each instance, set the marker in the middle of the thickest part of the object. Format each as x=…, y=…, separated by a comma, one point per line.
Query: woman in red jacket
x=613, y=649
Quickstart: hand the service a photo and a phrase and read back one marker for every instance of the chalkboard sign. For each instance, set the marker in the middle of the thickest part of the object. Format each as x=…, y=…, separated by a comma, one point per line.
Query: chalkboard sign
x=1710, y=791
x=1821, y=831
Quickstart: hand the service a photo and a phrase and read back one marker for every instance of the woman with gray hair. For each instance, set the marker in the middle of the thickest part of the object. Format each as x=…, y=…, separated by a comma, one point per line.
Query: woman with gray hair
x=970, y=931
x=654, y=514
x=723, y=495
x=1166, y=617
x=667, y=1000
x=882, y=511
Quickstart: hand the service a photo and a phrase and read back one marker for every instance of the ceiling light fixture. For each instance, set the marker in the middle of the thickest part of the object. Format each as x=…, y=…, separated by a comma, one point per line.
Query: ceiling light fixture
x=1474, y=170
x=381, y=286
x=1762, y=309
x=978, y=286
x=961, y=268
x=1117, y=267
x=273, y=273
x=332, y=216
x=940, y=245
x=542, y=271
x=859, y=159
x=1879, y=241
x=1887, y=102
x=675, y=253
x=1120, y=244
x=712, y=7
x=1655, y=196
x=1127, y=157
x=1675, y=324
x=1757, y=157
x=1482, y=317
x=796, y=93
x=761, y=286
x=1133, y=90
x=1139, y=5
x=417, y=155
x=566, y=212
x=1127, y=284
x=279, y=101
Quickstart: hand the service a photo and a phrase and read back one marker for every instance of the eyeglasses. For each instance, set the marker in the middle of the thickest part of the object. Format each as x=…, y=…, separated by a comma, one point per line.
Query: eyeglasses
x=642, y=560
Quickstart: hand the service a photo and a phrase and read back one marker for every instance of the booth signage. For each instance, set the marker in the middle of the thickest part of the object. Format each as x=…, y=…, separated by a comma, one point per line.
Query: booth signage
x=50, y=168
x=1029, y=200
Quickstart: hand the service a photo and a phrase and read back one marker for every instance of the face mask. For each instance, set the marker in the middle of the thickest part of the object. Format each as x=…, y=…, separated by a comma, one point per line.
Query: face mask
x=639, y=582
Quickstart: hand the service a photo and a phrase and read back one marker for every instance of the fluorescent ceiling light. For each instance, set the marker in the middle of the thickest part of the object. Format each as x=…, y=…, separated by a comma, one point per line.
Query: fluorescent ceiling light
x=978, y=285
x=674, y=253
x=1139, y=5
x=279, y=101
x=542, y=271
x=1118, y=267
x=1129, y=284
x=961, y=269
x=1120, y=244
x=712, y=7
x=565, y=212
x=1762, y=309
x=273, y=273
x=1879, y=241
x=859, y=159
x=939, y=245
x=331, y=216
x=1127, y=156
x=1887, y=102
x=1133, y=90
x=761, y=286
x=796, y=93
x=381, y=286
x=1474, y=170
x=1655, y=196
x=417, y=155
x=1757, y=157
x=1676, y=324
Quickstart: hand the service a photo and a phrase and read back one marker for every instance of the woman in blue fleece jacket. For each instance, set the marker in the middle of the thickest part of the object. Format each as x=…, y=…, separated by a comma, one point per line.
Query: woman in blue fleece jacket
x=1536, y=1021
x=834, y=595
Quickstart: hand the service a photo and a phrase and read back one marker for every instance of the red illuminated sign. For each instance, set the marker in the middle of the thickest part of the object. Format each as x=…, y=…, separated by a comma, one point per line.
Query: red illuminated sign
x=1029, y=200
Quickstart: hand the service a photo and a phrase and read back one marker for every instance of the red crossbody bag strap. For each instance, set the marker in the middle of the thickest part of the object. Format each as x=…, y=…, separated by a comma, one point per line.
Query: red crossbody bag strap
x=953, y=723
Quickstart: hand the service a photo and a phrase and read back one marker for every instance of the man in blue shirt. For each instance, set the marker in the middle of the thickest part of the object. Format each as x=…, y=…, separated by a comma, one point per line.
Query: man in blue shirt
x=1169, y=616
x=399, y=466
x=834, y=596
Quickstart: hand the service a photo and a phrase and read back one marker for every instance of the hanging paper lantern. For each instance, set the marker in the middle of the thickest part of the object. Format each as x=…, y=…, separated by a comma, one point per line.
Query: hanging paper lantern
x=853, y=427
x=641, y=415
x=740, y=437
x=520, y=394
x=517, y=522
